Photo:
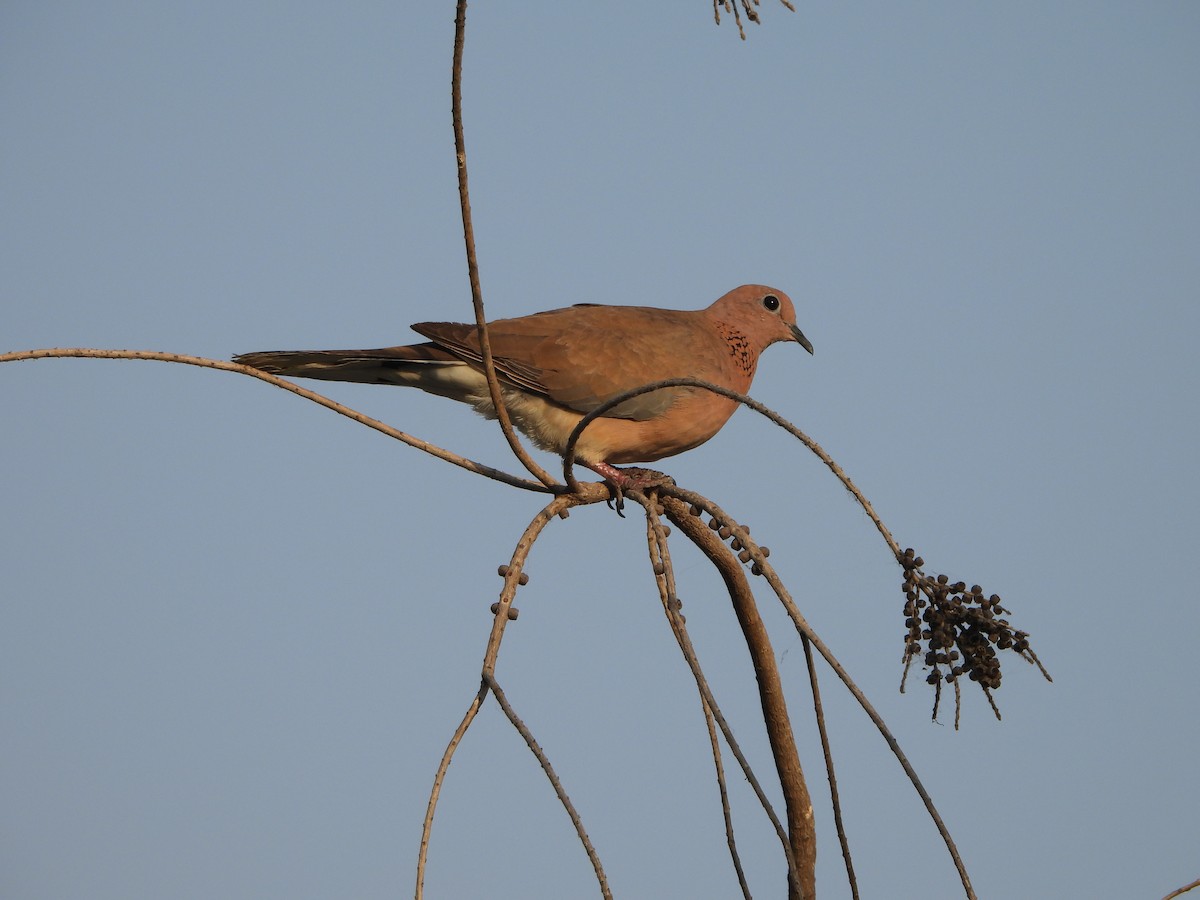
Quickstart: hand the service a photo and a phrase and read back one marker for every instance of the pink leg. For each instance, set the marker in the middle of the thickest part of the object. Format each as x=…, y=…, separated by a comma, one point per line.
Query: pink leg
x=614, y=476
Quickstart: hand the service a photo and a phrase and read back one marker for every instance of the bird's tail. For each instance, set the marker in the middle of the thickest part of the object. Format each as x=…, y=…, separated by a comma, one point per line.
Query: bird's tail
x=424, y=366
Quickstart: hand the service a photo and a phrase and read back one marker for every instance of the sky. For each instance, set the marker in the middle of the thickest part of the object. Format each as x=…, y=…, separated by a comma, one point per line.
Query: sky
x=237, y=631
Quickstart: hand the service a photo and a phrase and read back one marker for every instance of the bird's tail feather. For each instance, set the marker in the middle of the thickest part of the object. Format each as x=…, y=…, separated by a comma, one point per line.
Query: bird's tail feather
x=424, y=366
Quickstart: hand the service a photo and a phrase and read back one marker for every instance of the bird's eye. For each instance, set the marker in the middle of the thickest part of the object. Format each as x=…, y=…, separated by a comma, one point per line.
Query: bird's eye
x=771, y=303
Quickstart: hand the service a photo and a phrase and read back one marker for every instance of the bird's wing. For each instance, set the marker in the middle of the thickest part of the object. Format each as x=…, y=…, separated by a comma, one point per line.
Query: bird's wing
x=581, y=356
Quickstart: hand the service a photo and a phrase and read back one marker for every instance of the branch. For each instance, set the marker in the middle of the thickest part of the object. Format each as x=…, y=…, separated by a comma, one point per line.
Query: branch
x=503, y=612
x=438, y=778
x=544, y=760
x=834, y=799
x=460, y=149
x=569, y=450
x=1183, y=890
x=205, y=363
x=664, y=579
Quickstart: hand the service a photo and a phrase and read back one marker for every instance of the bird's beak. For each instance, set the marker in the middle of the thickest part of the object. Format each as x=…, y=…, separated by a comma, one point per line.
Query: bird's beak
x=799, y=338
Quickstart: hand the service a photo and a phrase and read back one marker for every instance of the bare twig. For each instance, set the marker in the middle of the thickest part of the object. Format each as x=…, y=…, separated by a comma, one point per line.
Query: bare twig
x=544, y=760
x=569, y=450
x=1183, y=890
x=711, y=727
x=460, y=149
x=835, y=801
x=664, y=578
x=203, y=362
x=438, y=778
x=514, y=574
x=513, y=577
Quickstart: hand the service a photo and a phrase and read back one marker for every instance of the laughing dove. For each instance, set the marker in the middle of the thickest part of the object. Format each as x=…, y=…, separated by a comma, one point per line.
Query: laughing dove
x=557, y=365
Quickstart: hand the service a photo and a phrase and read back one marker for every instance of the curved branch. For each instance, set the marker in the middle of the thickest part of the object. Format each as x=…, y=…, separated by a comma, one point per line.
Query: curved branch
x=438, y=778
x=827, y=750
x=711, y=727
x=513, y=578
x=460, y=149
x=490, y=681
x=1183, y=890
x=205, y=363
x=569, y=451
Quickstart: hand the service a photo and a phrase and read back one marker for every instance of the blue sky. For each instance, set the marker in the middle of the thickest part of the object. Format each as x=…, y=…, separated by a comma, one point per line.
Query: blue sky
x=236, y=631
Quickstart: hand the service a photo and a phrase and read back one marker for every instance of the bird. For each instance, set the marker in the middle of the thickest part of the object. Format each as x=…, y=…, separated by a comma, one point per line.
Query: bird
x=558, y=365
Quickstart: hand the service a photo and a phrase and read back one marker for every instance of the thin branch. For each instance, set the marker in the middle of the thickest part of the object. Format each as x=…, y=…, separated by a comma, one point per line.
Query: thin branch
x=711, y=726
x=835, y=801
x=514, y=574
x=438, y=778
x=569, y=451
x=513, y=577
x=1182, y=890
x=664, y=579
x=204, y=363
x=460, y=149
x=490, y=681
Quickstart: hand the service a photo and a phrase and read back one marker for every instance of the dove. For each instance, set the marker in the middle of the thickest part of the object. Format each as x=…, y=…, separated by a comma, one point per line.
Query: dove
x=556, y=366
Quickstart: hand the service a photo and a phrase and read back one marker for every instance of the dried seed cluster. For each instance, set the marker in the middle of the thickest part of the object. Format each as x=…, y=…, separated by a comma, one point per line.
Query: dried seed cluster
x=956, y=630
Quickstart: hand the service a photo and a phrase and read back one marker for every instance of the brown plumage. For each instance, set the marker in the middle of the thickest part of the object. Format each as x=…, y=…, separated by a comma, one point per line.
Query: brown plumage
x=557, y=365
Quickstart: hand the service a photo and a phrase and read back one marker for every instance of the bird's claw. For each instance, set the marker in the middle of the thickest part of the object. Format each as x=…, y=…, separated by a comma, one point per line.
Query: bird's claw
x=621, y=480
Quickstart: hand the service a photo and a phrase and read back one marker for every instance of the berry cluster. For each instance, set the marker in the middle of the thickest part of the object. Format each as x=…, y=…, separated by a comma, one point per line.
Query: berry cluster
x=956, y=630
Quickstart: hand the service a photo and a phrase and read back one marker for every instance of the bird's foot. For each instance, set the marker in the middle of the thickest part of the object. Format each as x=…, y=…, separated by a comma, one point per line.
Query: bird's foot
x=621, y=480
